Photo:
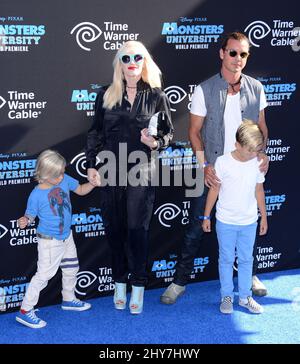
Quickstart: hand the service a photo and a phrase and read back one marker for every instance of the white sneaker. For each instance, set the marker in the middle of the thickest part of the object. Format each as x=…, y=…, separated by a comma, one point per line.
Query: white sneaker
x=258, y=288
x=251, y=305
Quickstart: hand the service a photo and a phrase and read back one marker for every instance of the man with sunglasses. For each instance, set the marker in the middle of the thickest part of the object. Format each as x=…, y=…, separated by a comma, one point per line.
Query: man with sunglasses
x=219, y=105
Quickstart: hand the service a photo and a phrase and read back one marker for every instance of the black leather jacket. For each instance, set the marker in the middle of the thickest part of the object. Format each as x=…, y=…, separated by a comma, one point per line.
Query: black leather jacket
x=123, y=123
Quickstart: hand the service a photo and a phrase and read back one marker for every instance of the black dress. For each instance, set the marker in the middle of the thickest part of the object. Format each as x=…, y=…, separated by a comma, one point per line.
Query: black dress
x=127, y=207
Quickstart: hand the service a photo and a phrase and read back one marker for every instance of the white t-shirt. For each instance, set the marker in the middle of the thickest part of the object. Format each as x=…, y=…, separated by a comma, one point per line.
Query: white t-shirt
x=237, y=203
x=232, y=114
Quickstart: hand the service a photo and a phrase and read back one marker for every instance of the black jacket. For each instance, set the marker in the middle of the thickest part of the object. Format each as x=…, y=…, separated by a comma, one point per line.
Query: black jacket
x=123, y=123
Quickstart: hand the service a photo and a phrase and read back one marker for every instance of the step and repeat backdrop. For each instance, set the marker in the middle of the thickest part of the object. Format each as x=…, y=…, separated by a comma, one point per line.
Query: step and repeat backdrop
x=55, y=55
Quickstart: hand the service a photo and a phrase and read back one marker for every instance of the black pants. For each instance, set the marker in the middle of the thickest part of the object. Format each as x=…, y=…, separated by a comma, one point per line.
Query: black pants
x=192, y=242
x=127, y=215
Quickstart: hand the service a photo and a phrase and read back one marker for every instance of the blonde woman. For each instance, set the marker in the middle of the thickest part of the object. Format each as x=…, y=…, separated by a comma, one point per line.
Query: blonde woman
x=122, y=115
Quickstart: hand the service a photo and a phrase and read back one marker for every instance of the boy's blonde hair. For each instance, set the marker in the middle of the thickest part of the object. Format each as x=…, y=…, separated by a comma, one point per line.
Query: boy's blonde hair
x=50, y=164
x=249, y=135
x=151, y=74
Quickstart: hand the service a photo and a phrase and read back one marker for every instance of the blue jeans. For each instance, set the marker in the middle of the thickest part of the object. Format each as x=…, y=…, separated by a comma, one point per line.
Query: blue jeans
x=240, y=238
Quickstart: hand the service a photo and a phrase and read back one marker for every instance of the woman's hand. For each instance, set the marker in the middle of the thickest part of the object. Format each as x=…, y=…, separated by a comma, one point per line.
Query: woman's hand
x=93, y=177
x=23, y=222
x=148, y=139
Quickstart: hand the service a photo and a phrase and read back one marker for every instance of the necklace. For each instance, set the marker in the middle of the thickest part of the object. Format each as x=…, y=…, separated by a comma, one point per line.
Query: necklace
x=235, y=84
x=131, y=87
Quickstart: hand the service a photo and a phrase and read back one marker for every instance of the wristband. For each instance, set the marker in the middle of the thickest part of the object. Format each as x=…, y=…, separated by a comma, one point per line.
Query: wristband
x=204, y=217
x=205, y=164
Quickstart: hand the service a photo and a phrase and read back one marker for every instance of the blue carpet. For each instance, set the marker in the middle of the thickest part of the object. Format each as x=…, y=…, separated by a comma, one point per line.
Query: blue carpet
x=194, y=319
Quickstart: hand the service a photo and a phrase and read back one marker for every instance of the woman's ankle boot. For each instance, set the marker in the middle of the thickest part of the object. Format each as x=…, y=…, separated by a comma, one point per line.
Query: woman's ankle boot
x=136, y=300
x=120, y=296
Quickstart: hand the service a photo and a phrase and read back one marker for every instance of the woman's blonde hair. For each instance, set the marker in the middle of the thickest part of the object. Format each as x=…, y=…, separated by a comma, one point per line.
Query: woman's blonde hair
x=50, y=164
x=151, y=74
x=249, y=135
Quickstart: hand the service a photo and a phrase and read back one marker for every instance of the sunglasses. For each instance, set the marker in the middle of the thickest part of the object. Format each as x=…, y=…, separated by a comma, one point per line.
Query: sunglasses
x=234, y=53
x=127, y=58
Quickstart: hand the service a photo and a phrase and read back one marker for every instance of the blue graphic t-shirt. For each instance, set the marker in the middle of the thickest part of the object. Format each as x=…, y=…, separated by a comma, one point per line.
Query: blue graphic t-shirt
x=53, y=208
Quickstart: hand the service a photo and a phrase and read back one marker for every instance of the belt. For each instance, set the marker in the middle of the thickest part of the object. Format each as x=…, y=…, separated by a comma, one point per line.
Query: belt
x=42, y=236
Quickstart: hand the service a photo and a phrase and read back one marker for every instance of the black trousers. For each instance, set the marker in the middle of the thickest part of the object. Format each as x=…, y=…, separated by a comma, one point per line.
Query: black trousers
x=127, y=215
x=192, y=242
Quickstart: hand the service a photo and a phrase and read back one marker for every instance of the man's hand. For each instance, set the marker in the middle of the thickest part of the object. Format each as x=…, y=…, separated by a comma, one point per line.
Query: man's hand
x=264, y=166
x=210, y=177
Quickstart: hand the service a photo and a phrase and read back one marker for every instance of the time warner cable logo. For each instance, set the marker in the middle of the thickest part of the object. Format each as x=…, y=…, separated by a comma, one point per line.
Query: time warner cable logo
x=86, y=32
x=3, y=231
x=86, y=279
x=283, y=33
x=79, y=161
x=169, y=211
x=175, y=95
x=114, y=35
x=22, y=105
x=2, y=102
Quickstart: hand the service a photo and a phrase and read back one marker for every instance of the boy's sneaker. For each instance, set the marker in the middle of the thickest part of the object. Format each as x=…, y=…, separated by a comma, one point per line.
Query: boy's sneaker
x=75, y=305
x=171, y=294
x=30, y=319
x=251, y=305
x=226, y=305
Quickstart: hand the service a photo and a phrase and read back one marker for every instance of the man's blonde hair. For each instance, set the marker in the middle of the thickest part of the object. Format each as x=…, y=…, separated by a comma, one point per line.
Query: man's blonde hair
x=50, y=164
x=249, y=135
x=151, y=74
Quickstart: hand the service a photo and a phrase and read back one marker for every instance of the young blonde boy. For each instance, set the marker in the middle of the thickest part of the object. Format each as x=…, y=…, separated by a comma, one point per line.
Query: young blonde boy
x=239, y=194
x=50, y=202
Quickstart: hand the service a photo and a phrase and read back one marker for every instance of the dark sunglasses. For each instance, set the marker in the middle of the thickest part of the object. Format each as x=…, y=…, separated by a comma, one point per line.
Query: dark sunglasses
x=127, y=58
x=234, y=53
